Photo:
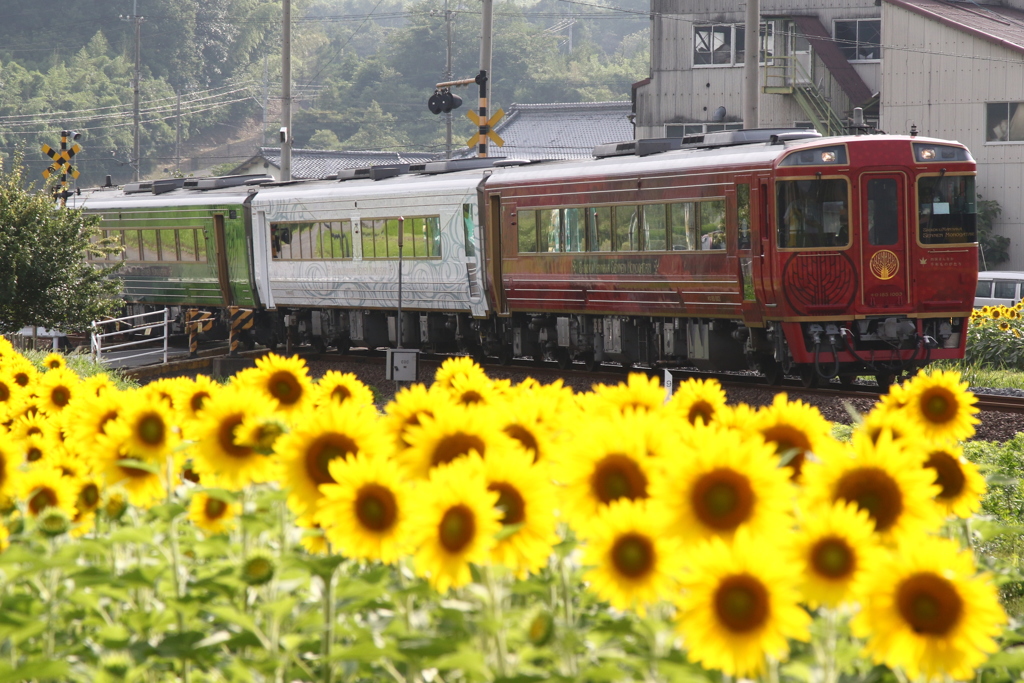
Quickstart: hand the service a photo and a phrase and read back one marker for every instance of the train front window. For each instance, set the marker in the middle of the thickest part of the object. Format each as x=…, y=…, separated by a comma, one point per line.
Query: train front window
x=947, y=210
x=812, y=214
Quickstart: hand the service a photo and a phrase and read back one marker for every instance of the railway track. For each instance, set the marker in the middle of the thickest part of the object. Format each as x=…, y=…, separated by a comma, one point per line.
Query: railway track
x=605, y=374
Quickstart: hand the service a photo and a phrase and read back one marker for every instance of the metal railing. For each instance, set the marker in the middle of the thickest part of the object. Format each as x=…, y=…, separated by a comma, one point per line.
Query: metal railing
x=787, y=75
x=98, y=335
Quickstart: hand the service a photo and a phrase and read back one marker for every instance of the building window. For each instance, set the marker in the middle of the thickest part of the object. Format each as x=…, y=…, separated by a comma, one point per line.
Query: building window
x=859, y=39
x=682, y=130
x=723, y=44
x=1004, y=122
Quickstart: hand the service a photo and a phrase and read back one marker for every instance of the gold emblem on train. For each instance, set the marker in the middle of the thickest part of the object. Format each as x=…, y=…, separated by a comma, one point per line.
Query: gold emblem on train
x=885, y=264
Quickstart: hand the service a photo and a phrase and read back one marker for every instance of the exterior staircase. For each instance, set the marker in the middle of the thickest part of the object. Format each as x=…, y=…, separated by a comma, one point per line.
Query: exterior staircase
x=786, y=75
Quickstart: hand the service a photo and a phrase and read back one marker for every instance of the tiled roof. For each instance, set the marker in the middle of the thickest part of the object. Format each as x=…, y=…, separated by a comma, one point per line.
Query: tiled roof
x=568, y=130
x=1001, y=25
x=318, y=163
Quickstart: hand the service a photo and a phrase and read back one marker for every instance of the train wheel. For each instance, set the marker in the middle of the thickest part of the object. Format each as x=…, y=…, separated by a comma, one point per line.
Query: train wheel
x=885, y=379
x=847, y=381
x=563, y=359
x=772, y=372
x=809, y=376
x=505, y=355
x=318, y=344
x=538, y=358
x=590, y=362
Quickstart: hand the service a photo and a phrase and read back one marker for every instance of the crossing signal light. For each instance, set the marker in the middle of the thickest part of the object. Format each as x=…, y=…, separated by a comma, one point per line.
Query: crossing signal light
x=443, y=101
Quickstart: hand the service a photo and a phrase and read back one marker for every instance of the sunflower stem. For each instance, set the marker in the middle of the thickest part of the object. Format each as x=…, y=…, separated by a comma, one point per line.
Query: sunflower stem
x=493, y=590
x=570, y=627
x=831, y=673
x=328, y=637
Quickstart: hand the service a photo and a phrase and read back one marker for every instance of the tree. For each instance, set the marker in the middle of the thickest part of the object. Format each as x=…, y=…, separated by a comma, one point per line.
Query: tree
x=324, y=139
x=993, y=248
x=45, y=279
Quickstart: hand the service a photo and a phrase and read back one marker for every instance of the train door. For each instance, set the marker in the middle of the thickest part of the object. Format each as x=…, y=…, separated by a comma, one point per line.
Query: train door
x=745, y=247
x=883, y=237
x=221, y=245
x=764, y=261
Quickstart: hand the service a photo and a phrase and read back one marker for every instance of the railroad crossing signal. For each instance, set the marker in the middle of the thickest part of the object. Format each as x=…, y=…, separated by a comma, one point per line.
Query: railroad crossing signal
x=62, y=162
x=488, y=124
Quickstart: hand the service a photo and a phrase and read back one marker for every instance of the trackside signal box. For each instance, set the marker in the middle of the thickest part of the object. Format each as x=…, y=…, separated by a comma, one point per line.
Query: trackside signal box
x=402, y=365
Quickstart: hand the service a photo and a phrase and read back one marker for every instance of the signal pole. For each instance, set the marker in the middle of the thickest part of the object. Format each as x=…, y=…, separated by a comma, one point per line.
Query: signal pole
x=448, y=77
x=286, y=91
x=485, y=73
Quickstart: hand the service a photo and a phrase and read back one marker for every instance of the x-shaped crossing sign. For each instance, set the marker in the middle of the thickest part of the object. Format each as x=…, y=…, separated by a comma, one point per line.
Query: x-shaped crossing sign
x=61, y=160
x=490, y=123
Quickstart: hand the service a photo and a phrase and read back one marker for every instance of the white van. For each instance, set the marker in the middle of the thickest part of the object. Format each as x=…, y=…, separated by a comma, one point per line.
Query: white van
x=999, y=288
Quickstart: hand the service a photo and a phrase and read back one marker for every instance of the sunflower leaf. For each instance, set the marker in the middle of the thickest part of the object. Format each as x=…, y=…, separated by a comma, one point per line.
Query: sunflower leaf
x=508, y=530
x=133, y=464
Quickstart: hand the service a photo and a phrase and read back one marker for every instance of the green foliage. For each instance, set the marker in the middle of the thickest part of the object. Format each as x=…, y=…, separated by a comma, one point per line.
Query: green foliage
x=995, y=339
x=324, y=139
x=44, y=278
x=993, y=249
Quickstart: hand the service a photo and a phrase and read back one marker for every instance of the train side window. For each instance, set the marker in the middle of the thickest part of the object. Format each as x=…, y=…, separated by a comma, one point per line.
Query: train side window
x=201, y=245
x=600, y=228
x=627, y=229
x=172, y=239
x=712, y=225
x=683, y=227
x=527, y=226
x=187, y=244
x=1005, y=289
x=392, y=238
x=655, y=226
x=342, y=239
x=883, y=212
x=322, y=241
x=131, y=246
x=150, y=250
x=409, y=243
x=433, y=237
x=469, y=226
x=549, y=231
x=743, y=215
x=118, y=237
x=575, y=229
x=984, y=290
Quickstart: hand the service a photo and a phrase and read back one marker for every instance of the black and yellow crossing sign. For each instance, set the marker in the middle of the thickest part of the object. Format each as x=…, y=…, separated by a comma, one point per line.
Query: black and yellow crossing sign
x=62, y=163
x=485, y=124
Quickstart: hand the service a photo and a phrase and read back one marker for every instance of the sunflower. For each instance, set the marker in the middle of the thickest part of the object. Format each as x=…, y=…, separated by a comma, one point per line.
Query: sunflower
x=740, y=417
x=453, y=368
x=526, y=419
x=452, y=433
x=720, y=480
x=794, y=428
x=452, y=523
x=146, y=425
x=33, y=424
x=41, y=488
x=86, y=503
x=995, y=314
x=11, y=459
x=639, y=392
x=139, y=476
x=927, y=612
x=160, y=390
x=526, y=499
x=472, y=390
x=36, y=448
x=895, y=422
x=941, y=405
x=55, y=390
x=97, y=384
x=329, y=432
x=698, y=400
x=285, y=380
x=55, y=361
x=213, y=514
x=220, y=458
x=1004, y=326
x=313, y=539
x=633, y=564
x=10, y=392
x=364, y=515
x=410, y=405
x=88, y=417
x=604, y=461
x=337, y=387
x=962, y=486
x=886, y=479
x=837, y=548
x=739, y=604
x=22, y=371
x=191, y=394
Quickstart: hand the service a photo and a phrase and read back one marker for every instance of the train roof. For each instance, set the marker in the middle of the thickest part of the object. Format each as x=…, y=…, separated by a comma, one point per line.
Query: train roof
x=113, y=198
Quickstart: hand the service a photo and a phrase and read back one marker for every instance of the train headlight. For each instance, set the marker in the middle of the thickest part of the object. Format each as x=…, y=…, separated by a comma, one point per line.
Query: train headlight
x=828, y=157
x=927, y=154
x=816, y=156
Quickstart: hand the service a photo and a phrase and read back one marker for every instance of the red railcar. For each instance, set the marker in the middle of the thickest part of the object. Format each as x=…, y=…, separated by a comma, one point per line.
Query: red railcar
x=821, y=257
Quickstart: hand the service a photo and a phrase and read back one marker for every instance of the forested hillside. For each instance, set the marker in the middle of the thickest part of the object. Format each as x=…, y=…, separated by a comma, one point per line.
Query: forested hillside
x=362, y=72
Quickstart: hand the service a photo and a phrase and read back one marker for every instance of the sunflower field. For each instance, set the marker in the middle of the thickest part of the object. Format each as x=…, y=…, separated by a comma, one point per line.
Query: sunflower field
x=995, y=337
x=277, y=528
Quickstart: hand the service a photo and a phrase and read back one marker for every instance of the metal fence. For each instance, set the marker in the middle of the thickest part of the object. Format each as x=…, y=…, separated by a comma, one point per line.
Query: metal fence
x=123, y=327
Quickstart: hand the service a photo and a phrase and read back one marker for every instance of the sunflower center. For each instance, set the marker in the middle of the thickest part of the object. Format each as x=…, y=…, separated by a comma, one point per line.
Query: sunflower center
x=722, y=499
x=510, y=502
x=226, y=437
x=107, y=417
x=5, y=393
x=325, y=449
x=938, y=405
x=618, y=476
x=151, y=429
x=34, y=453
x=741, y=603
x=60, y=396
x=341, y=394
x=929, y=603
x=43, y=498
x=525, y=437
x=702, y=410
x=833, y=558
x=455, y=446
x=875, y=491
x=214, y=509
x=471, y=397
x=21, y=379
x=948, y=474
x=457, y=528
x=786, y=438
x=197, y=400
x=633, y=555
x=34, y=431
x=88, y=497
x=413, y=421
x=376, y=508
x=283, y=386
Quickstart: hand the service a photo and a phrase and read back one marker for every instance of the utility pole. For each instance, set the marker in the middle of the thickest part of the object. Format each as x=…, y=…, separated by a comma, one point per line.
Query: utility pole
x=286, y=91
x=177, y=137
x=448, y=77
x=136, y=78
x=266, y=97
x=485, y=73
x=752, y=48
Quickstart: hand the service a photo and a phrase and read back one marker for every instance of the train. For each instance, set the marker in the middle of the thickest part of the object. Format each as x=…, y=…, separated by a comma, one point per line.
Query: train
x=779, y=250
